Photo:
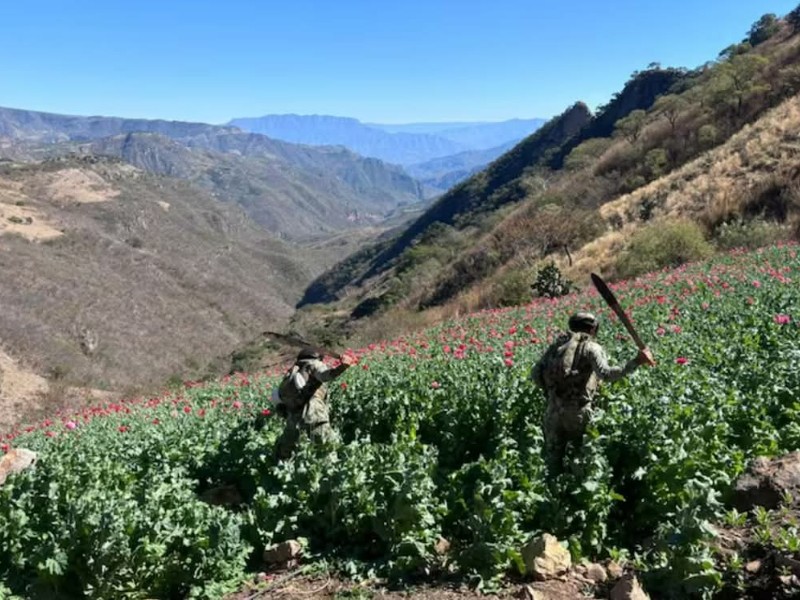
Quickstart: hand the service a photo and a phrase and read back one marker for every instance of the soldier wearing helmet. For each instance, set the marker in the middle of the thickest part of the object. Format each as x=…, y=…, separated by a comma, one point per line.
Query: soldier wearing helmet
x=303, y=398
x=569, y=372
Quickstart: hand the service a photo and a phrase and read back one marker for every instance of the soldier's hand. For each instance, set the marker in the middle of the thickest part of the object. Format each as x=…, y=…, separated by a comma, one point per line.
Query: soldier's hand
x=645, y=357
x=349, y=360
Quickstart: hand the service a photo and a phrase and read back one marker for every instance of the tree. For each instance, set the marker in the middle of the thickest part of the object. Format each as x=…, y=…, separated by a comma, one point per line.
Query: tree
x=631, y=126
x=793, y=18
x=670, y=107
x=738, y=79
x=763, y=29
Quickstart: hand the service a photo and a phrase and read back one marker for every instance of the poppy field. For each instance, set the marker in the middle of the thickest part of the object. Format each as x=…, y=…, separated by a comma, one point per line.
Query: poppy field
x=440, y=437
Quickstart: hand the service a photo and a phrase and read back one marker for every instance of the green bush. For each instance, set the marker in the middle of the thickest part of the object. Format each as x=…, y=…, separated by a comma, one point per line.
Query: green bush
x=551, y=283
x=746, y=234
x=663, y=245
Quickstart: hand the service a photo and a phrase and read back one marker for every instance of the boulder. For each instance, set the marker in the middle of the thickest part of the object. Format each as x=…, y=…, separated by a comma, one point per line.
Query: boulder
x=615, y=570
x=15, y=461
x=628, y=588
x=545, y=558
x=528, y=593
x=442, y=546
x=596, y=573
x=766, y=482
x=284, y=552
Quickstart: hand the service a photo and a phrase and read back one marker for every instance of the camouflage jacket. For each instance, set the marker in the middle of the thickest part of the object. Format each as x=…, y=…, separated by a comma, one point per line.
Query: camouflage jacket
x=316, y=410
x=572, y=367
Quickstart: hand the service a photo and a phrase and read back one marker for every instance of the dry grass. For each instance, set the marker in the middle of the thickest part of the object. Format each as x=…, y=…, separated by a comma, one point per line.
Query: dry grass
x=162, y=292
x=718, y=182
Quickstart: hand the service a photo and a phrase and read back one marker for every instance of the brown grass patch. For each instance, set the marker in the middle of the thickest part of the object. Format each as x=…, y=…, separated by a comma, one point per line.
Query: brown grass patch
x=80, y=186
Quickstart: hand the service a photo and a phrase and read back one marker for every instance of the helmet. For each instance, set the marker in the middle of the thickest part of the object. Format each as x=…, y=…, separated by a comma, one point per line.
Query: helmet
x=308, y=353
x=582, y=322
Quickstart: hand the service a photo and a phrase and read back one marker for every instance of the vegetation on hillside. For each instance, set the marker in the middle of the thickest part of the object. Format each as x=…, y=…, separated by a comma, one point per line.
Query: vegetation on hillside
x=440, y=436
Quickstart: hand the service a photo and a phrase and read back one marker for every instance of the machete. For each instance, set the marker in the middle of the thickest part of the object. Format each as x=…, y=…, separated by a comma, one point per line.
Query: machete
x=295, y=340
x=611, y=300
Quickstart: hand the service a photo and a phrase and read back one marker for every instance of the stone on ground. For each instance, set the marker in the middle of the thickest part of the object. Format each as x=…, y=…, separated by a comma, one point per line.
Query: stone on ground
x=545, y=558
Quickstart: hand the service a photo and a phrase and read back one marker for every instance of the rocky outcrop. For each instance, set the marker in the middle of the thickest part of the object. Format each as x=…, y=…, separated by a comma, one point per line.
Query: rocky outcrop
x=16, y=461
x=545, y=558
x=767, y=482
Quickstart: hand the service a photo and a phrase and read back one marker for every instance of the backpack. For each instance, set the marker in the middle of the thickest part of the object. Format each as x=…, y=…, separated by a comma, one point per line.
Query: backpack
x=561, y=368
x=296, y=387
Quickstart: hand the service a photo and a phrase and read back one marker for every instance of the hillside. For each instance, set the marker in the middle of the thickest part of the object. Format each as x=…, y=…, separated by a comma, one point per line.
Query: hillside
x=115, y=278
x=437, y=475
x=296, y=191
x=673, y=146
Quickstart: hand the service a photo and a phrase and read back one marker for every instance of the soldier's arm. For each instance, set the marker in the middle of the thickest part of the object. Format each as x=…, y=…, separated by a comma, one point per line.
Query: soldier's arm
x=323, y=374
x=599, y=361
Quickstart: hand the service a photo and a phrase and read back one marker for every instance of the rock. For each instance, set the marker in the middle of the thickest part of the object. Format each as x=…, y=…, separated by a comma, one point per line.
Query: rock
x=226, y=495
x=754, y=566
x=262, y=577
x=545, y=558
x=16, y=461
x=628, y=588
x=596, y=573
x=786, y=561
x=442, y=546
x=283, y=552
x=767, y=481
x=528, y=593
x=615, y=571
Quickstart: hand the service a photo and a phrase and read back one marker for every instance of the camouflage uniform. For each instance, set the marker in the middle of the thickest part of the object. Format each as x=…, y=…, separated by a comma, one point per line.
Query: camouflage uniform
x=313, y=418
x=570, y=390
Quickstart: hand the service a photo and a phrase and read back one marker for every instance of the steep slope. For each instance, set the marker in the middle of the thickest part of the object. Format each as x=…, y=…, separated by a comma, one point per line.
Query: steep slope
x=400, y=148
x=329, y=188
x=112, y=277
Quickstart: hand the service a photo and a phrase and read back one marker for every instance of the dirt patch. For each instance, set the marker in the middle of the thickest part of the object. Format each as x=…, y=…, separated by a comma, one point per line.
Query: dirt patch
x=286, y=587
x=19, y=389
x=17, y=216
x=69, y=186
x=26, y=396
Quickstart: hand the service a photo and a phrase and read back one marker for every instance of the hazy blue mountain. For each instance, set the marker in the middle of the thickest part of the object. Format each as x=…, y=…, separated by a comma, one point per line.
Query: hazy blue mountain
x=476, y=136
x=440, y=174
x=322, y=130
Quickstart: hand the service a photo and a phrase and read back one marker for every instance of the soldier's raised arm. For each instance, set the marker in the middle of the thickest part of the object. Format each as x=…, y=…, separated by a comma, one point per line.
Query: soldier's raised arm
x=599, y=361
x=323, y=374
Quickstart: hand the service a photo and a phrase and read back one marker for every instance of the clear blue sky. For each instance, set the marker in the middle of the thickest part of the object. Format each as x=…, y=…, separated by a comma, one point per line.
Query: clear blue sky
x=382, y=61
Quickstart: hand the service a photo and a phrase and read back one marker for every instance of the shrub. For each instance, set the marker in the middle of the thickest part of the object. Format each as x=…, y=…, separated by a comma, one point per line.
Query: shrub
x=663, y=245
x=746, y=234
x=551, y=283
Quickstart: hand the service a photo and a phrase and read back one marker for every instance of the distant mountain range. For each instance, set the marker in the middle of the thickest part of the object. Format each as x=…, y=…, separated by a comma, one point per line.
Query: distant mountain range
x=294, y=191
x=462, y=147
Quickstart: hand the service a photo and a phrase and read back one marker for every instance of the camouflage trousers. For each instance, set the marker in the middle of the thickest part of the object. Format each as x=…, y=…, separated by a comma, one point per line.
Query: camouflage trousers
x=564, y=423
x=296, y=426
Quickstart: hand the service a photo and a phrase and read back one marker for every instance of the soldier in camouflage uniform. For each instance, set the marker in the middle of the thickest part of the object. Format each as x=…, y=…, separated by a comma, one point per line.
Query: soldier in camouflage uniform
x=312, y=418
x=569, y=372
